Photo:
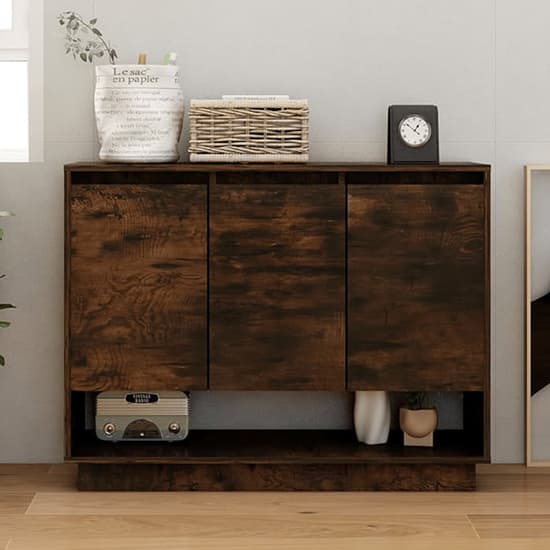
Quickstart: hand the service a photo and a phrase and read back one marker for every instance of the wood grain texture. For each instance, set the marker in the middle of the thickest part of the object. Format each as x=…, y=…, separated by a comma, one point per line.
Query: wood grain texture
x=520, y=483
x=416, y=295
x=276, y=477
x=510, y=470
x=189, y=504
x=29, y=480
x=225, y=525
x=295, y=521
x=275, y=542
x=279, y=447
x=362, y=167
x=67, y=405
x=137, y=306
x=277, y=282
x=14, y=502
x=138, y=287
x=507, y=526
x=485, y=427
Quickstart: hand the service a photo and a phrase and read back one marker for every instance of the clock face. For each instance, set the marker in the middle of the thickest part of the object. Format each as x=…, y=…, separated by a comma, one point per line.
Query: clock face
x=415, y=131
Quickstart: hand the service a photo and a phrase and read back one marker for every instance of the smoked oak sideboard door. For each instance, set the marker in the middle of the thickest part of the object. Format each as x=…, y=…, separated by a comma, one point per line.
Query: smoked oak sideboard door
x=277, y=282
x=137, y=296
x=416, y=295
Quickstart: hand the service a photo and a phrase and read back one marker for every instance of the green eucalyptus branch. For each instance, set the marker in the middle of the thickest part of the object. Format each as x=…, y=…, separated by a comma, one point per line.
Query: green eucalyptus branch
x=84, y=48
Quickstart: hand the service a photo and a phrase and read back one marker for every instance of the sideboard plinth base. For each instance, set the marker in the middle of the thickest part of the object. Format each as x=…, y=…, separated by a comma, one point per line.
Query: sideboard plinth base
x=276, y=477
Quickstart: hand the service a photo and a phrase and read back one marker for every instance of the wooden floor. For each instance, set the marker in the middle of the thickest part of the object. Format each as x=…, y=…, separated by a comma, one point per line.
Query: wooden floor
x=40, y=510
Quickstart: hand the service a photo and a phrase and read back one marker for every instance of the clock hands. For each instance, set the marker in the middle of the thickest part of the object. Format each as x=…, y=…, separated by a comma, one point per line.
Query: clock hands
x=413, y=129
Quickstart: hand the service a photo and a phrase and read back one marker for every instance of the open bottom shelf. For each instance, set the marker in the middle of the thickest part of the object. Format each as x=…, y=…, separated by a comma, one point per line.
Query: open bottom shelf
x=277, y=447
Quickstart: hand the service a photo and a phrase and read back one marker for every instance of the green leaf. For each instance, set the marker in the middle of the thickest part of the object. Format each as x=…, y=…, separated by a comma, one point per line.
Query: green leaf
x=6, y=213
x=84, y=57
x=4, y=324
x=97, y=31
x=2, y=361
x=6, y=306
x=93, y=21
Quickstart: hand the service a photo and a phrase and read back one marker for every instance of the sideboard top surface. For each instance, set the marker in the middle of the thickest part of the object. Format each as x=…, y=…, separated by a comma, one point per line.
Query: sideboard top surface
x=274, y=167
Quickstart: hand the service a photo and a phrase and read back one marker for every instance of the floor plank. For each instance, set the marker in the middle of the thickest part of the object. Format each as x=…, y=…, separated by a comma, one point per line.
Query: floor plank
x=290, y=525
x=63, y=469
x=24, y=468
x=272, y=543
x=514, y=483
x=507, y=469
x=38, y=482
x=512, y=526
x=337, y=504
x=14, y=503
x=508, y=512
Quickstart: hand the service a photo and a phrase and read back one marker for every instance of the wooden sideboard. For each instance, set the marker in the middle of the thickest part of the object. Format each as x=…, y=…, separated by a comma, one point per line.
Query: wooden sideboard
x=333, y=277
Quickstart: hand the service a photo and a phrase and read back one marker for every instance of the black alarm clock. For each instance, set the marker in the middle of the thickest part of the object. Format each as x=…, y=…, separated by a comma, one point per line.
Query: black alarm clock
x=413, y=134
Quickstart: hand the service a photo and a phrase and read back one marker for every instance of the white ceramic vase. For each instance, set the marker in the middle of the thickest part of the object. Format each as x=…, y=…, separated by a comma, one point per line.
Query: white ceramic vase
x=372, y=416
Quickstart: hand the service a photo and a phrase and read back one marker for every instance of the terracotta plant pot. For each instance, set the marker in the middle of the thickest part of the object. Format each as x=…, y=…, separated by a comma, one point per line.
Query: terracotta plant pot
x=419, y=422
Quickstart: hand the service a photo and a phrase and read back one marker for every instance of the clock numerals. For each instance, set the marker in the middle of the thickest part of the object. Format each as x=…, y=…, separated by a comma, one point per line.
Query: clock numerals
x=415, y=131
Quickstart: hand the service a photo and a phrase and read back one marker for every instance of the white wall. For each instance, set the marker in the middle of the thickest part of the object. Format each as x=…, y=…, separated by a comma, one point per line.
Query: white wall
x=486, y=63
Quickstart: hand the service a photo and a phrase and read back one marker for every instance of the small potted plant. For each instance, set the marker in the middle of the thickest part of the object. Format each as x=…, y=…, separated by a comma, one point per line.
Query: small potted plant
x=4, y=324
x=418, y=420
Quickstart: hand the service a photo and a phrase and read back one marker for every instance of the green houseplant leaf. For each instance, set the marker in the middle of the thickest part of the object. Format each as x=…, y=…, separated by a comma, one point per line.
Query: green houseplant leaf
x=3, y=307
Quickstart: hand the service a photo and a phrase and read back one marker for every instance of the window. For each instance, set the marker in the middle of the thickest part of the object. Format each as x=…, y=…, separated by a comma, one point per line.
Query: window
x=20, y=80
x=6, y=15
x=14, y=111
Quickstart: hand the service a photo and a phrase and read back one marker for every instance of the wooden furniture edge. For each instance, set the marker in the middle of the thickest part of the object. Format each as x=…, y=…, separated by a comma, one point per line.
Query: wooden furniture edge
x=271, y=167
x=527, y=313
x=66, y=310
x=277, y=477
x=336, y=469
x=528, y=172
x=488, y=323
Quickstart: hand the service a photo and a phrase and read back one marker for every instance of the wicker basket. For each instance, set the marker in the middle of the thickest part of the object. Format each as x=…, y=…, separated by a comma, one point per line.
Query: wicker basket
x=249, y=130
